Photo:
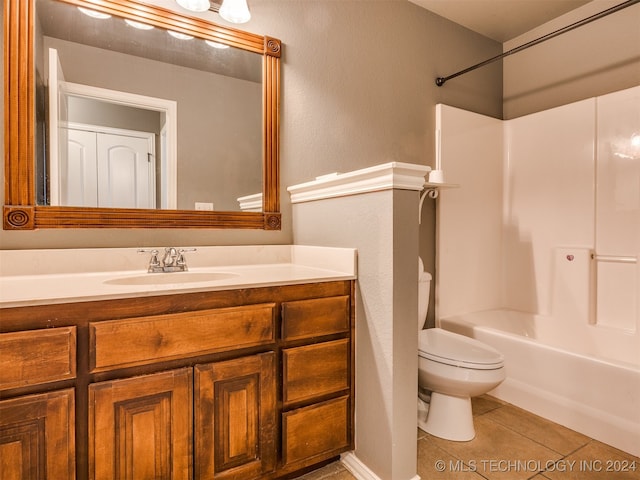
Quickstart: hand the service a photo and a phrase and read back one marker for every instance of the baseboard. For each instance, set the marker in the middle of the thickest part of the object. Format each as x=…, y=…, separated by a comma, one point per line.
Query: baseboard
x=359, y=469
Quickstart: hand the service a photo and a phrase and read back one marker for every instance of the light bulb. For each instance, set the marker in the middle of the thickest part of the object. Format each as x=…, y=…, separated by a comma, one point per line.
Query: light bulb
x=181, y=36
x=235, y=11
x=93, y=13
x=213, y=44
x=138, y=25
x=195, y=5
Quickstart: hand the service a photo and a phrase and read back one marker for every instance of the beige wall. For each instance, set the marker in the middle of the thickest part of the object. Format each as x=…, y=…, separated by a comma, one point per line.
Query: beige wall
x=358, y=90
x=598, y=58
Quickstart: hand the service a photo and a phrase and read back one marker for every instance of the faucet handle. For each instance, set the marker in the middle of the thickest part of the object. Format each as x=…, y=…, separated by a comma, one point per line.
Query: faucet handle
x=181, y=258
x=154, y=262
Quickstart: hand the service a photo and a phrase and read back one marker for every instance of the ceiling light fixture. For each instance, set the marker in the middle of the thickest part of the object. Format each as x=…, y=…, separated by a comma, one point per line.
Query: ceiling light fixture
x=94, y=14
x=213, y=44
x=235, y=11
x=181, y=36
x=138, y=25
x=195, y=5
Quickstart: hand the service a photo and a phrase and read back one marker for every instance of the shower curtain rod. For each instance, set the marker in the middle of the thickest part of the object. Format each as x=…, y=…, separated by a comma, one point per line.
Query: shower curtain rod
x=441, y=80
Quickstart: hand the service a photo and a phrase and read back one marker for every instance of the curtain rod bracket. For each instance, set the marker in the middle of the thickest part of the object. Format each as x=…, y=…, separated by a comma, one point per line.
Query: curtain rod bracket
x=440, y=81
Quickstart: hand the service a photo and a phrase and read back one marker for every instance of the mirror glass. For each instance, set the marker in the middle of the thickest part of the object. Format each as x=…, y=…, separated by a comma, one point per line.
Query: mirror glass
x=143, y=118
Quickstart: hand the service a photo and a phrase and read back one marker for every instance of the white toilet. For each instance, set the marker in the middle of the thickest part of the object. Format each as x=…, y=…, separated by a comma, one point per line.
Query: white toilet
x=452, y=368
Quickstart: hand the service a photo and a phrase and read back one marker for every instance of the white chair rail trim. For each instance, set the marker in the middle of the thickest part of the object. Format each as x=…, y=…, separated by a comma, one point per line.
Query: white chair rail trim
x=387, y=176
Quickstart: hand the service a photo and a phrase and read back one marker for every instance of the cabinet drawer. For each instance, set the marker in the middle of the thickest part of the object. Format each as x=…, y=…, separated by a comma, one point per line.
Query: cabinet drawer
x=317, y=430
x=37, y=356
x=143, y=340
x=315, y=317
x=314, y=370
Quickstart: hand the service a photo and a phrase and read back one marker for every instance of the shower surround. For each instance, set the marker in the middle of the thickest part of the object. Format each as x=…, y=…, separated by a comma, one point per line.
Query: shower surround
x=546, y=222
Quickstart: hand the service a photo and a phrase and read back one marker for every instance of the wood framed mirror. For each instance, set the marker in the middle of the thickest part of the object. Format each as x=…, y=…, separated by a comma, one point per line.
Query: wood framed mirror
x=27, y=207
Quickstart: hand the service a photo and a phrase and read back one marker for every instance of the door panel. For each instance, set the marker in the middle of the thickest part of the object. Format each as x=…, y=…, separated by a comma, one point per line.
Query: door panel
x=37, y=438
x=235, y=418
x=78, y=170
x=141, y=427
x=126, y=172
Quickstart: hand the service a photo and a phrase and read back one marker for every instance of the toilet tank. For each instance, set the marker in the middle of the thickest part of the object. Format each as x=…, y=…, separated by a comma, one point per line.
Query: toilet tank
x=424, y=287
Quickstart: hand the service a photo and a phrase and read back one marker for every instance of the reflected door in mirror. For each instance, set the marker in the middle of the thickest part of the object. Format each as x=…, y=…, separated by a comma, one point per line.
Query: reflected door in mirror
x=108, y=170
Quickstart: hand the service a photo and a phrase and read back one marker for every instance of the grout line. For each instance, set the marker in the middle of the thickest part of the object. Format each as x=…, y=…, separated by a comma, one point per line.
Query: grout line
x=508, y=427
x=453, y=455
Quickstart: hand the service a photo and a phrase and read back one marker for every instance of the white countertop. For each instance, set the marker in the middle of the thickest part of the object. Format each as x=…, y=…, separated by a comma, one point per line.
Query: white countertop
x=39, y=277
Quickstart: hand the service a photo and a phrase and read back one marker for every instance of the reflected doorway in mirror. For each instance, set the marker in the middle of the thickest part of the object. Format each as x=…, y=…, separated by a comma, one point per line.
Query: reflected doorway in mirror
x=108, y=111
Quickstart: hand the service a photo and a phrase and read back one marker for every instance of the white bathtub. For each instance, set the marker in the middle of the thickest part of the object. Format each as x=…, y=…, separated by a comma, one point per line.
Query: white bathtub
x=548, y=374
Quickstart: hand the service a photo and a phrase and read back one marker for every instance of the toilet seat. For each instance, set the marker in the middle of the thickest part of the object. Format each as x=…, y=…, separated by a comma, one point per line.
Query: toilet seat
x=456, y=350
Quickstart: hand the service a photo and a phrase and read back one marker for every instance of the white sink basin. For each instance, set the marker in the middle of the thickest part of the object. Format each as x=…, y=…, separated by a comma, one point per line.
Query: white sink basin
x=172, y=278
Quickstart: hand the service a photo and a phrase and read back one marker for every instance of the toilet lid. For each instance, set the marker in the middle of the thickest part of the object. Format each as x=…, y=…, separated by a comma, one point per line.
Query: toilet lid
x=458, y=350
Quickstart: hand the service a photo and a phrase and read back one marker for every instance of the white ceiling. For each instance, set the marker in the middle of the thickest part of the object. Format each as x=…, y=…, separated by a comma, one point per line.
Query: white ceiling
x=500, y=20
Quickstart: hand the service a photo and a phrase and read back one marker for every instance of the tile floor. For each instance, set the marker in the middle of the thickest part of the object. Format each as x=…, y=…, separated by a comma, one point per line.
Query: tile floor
x=511, y=444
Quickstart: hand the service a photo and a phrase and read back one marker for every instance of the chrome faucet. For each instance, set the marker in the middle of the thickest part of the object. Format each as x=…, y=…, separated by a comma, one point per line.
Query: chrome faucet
x=170, y=257
x=172, y=261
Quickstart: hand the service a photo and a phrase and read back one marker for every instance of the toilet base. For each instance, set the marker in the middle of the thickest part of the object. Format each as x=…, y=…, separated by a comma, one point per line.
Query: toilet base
x=423, y=411
x=448, y=417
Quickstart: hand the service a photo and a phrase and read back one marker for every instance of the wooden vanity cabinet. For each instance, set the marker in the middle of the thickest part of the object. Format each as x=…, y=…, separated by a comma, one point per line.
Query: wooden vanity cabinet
x=241, y=384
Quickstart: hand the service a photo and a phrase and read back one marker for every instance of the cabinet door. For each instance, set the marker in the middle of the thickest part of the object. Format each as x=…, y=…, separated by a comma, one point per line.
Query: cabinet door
x=37, y=439
x=235, y=418
x=141, y=427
